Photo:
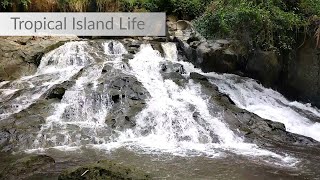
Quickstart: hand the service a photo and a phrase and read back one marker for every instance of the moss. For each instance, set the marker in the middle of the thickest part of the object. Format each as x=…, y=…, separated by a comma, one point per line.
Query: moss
x=104, y=170
x=26, y=166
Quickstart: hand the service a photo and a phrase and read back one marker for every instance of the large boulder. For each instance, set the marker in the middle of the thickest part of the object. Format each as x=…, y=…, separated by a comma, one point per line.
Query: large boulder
x=128, y=97
x=218, y=56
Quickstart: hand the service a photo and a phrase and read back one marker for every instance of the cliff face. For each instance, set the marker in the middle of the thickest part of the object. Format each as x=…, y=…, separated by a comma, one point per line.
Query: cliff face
x=303, y=74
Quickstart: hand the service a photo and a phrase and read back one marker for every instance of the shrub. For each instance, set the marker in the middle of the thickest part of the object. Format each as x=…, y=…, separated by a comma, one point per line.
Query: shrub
x=264, y=24
x=310, y=7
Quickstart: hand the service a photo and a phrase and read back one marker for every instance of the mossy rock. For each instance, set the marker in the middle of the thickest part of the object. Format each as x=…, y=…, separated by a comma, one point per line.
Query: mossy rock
x=26, y=167
x=103, y=170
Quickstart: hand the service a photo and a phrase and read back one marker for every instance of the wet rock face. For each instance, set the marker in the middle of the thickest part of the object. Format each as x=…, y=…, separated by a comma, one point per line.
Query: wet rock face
x=58, y=91
x=197, y=76
x=128, y=98
x=104, y=170
x=252, y=127
x=26, y=167
x=20, y=56
x=19, y=130
x=303, y=73
x=173, y=71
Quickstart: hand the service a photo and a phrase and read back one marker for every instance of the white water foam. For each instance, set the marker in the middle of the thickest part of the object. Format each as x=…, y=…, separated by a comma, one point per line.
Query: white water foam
x=56, y=67
x=79, y=118
x=269, y=104
x=177, y=119
x=168, y=123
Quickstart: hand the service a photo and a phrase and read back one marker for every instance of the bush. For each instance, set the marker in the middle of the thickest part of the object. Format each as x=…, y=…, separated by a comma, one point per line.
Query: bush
x=268, y=25
x=310, y=7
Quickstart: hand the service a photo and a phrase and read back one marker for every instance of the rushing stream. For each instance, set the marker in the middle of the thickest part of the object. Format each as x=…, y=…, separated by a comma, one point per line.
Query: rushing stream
x=176, y=121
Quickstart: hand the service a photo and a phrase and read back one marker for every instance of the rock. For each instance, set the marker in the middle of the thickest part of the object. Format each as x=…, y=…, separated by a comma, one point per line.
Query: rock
x=265, y=67
x=104, y=170
x=302, y=80
x=183, y=30
x=20, y=56
x=4, y=138
x=157, y=46
x=198, y=76
x=20, y=130
x=172, y=18
x=57, y=91
x=172, y=67
x=218, y=57
x=252, y=127
x=174, y=72
x=221, y=56
x=128, y=96
x=26, y=167
x=183, y=25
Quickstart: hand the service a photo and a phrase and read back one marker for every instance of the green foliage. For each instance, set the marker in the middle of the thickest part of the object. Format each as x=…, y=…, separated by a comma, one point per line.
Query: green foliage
x=25, y=3
x=134, y=5
x=187, y=9
x=310, y=7
x=8, y=3
x=267, y=24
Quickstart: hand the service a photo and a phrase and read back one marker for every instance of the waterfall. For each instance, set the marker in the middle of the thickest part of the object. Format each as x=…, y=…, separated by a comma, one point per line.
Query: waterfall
x=79, y=118
x=248, y=94
x=56, y=67
x=168, y=123
x=170, y=51
x=176, y=119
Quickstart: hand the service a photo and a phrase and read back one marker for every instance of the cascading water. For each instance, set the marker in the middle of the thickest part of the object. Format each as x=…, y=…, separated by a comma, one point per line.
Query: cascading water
x=176, y=119
x=56, y=67
x=168, y=123
x=269, y=104
x=79, y=118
